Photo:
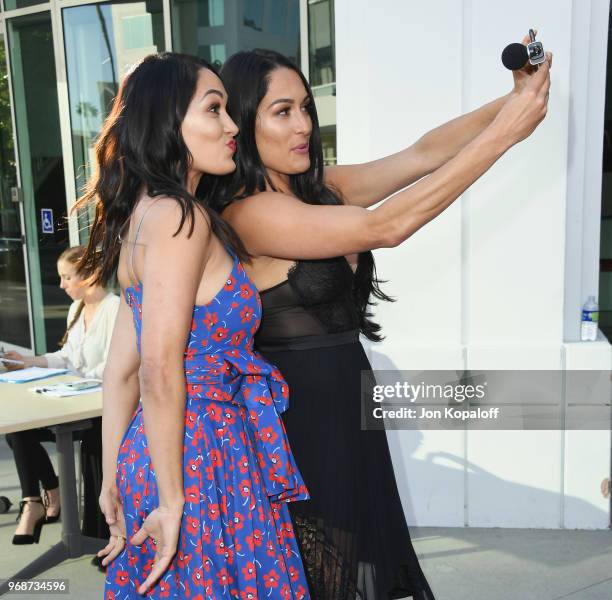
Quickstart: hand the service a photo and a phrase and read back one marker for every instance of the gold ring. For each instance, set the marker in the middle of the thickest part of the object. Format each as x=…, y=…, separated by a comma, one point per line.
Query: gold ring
x=120, y=537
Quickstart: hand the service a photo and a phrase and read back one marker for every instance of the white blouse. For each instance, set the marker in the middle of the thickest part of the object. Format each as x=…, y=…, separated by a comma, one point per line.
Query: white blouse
x=85, y=352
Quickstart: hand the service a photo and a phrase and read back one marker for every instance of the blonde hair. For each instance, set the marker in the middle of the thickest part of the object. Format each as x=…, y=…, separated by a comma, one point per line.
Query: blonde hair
x=73, y=256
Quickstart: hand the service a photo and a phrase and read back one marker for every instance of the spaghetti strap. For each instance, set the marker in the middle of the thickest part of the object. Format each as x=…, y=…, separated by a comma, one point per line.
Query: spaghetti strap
x=133, y=244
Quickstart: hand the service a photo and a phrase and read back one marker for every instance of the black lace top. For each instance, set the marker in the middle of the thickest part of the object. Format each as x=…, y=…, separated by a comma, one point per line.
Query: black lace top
x=316, y=299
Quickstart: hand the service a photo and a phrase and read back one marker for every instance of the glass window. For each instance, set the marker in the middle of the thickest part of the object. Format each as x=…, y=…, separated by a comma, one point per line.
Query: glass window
x=278, y=16
x=253, y=14
x=42, y=171
x=102, y=42
x=14, y=301
x=322, y=66
x=12, y=4
x=225, y=27
x=137, y=31
x=213, y=53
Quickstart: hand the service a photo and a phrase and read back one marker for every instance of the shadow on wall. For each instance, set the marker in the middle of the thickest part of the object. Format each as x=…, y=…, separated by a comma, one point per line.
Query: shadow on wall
x=435, y=482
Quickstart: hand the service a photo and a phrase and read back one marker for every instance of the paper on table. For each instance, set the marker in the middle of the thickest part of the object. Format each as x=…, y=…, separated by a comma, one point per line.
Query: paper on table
x=57, y=392
x=69, y=388
x=29, y=374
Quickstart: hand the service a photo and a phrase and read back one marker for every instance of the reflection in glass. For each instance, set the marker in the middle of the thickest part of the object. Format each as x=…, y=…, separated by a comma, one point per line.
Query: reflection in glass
x=225, y=27
x=14, y=319
x=322, y=76
x=253, y=14
x=11, y=4
x=102, y=42
x=42, y=170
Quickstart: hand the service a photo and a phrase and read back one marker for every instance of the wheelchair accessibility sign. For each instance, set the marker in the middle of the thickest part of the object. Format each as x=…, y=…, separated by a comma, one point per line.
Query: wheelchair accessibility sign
x=46, y=218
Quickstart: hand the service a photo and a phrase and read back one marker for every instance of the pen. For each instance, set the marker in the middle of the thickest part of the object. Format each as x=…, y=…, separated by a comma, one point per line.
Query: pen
x=11, y=361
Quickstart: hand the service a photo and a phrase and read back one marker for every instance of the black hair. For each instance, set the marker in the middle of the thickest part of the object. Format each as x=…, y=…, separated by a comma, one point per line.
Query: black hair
x=141, y=146
x=246, y=76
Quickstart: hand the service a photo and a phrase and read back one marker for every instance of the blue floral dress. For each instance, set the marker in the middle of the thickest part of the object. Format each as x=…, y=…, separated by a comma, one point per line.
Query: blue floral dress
x=236, y=538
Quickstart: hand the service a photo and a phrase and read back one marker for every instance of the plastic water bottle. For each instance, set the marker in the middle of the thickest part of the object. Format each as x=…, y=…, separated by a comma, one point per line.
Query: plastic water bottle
x=590, y=316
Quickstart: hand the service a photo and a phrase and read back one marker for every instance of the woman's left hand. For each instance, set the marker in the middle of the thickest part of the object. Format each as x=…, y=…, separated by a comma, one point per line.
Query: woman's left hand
x=162, y=525
x=521, y=75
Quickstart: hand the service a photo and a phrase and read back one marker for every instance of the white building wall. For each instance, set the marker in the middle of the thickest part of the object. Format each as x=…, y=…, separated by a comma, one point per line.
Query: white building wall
x=487, y=284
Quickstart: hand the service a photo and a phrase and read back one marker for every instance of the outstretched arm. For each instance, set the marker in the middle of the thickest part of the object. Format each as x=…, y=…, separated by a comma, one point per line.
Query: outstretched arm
x=366, y=184
x=277, y=225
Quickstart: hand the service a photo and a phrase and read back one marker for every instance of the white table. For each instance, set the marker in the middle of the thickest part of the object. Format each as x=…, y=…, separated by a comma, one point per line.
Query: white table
x=20, y=410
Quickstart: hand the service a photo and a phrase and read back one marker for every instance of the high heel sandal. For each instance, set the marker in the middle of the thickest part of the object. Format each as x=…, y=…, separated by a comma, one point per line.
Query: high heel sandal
x=26, y=538
x=54, y=518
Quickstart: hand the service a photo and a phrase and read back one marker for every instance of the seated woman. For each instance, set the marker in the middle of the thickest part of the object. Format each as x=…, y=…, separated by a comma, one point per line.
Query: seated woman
x=83, y=352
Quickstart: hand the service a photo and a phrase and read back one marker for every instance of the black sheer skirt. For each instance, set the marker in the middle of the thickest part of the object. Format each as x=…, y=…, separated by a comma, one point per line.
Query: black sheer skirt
x=352, y=534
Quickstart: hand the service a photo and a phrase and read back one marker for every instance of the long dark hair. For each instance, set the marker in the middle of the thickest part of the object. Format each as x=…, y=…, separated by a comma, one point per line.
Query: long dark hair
x=141, y=146
x=246, y=76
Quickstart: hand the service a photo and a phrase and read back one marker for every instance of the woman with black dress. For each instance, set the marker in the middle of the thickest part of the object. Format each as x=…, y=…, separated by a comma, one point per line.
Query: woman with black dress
x=310, y=236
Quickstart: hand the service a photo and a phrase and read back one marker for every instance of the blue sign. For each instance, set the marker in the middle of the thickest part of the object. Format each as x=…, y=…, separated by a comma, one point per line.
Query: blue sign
x=46, y=217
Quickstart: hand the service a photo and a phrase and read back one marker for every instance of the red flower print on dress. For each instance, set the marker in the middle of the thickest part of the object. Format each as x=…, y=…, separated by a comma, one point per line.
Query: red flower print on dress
x=215, y=458
x=193, y=466
x=268, y=435
x=237, y=338
x=191, y=418
x=133, y=456
x=164, y=589
x=245, y=488
x=254, y=540
x=214, y=412
x=229, y=416
x=213, y=393
x=246, y=291
x=206, y=534
x=139, y=475
x=238, y=521
x=246, y=314
x=213, y=511
x=193, y=525
x=224, y=577
x=210, y=320
x=197, y=576
x=271, y=579
x=182, y=559
x=249, y=593
x=249, y=571
x=220, y=333
x=192, y=494
x=236, y=526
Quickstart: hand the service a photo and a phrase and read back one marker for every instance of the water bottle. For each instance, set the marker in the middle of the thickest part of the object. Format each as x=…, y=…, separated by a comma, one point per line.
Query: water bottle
x=590, y=316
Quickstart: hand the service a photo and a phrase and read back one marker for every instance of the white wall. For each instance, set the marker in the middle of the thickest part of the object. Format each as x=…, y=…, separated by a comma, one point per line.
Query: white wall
x=483, y=285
